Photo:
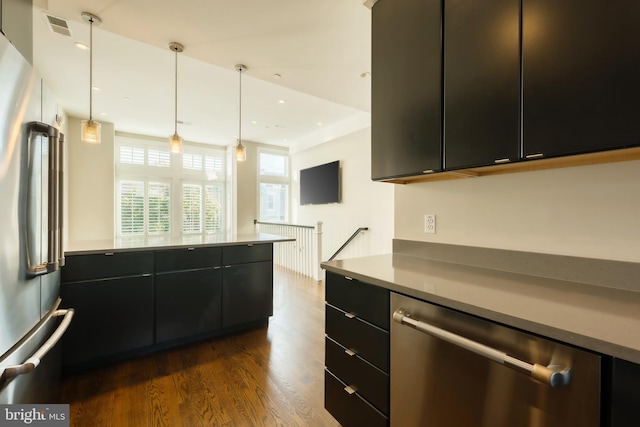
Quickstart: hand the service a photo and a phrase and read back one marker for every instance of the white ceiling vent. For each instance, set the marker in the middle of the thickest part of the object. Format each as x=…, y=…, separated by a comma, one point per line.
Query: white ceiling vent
x=58, y=25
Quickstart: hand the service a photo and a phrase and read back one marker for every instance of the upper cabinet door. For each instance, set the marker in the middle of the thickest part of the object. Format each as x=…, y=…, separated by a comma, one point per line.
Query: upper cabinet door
x=581, y=63
x=406, y=87
x=481, y=82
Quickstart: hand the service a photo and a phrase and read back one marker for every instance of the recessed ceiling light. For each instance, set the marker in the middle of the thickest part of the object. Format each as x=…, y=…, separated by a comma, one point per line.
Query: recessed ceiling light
x=103, y=114
x=81, y=45
x=254, y=121
x=282, y=101
x=319, y=123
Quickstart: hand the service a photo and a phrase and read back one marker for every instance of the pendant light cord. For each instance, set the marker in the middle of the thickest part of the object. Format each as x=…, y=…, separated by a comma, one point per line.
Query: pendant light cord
x=175, y=121
x=240, y=110
x=91, y=69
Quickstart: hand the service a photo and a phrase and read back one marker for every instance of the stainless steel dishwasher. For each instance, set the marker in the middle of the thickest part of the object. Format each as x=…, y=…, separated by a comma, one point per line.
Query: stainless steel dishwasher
x=453, y=369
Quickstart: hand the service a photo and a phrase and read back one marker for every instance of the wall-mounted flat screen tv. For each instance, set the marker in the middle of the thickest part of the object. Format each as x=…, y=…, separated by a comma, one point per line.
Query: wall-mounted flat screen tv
x=320, y=184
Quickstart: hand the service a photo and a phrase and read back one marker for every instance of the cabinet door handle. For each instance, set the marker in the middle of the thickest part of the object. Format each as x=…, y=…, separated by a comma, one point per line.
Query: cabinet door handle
x=502, y=161
x=191, y=249
x=534, y=156
x=351, y=315
x=552, y=375
x=350, y=352
x=349, y=389
x=227, y=266
x=217, y=267
x=108, y=254
x=348, y=278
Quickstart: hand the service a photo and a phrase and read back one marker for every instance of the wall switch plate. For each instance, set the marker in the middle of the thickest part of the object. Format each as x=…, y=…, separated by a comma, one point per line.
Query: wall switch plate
x=430, y=223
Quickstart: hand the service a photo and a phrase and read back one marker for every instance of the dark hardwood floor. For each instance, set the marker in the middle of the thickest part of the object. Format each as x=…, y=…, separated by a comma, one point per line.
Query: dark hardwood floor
x=269, y=376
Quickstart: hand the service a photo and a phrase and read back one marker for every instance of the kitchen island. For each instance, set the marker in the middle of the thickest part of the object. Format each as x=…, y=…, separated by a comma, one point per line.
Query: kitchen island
x=591, y=304
x=135, y=296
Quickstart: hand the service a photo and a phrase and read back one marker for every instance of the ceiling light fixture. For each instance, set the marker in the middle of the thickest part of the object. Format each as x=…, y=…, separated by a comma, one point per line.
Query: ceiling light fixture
x=175, y=140
x=90, y=129
x=241, y=150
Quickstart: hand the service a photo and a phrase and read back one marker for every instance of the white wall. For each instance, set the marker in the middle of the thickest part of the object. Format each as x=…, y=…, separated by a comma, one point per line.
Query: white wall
x=364, y=203
x=90, y=184
x=586, y=211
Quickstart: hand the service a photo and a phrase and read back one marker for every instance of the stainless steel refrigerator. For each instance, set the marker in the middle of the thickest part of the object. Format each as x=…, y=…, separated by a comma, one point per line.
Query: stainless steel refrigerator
x=31, y=253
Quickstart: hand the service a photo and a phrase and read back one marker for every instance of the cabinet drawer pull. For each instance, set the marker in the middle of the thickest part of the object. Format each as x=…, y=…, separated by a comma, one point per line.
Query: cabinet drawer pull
x=428, y=171
x=350, y=352
x=108, y=254
x=249, y=244
x=348, y=278
x=534, y=156
x=217, y=267
x=191, y=249
x=227, y=266
x=350, y=315
x=146, y=275
x=502, y=161
x=350, y=389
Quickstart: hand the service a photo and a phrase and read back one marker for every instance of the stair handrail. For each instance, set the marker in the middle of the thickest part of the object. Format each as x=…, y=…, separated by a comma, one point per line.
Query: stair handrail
x=353, y=236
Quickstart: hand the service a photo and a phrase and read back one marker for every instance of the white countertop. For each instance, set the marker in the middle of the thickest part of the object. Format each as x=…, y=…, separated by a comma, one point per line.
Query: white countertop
x=601, y=319
x=150, y=243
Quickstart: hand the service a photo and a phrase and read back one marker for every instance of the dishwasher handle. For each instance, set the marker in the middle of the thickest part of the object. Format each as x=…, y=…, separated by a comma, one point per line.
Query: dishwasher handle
x=553, y=375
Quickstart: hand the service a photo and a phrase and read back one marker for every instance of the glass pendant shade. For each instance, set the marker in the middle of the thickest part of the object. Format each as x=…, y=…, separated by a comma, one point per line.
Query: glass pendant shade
x=241, y=152
x=90, y=132
x=175, y=143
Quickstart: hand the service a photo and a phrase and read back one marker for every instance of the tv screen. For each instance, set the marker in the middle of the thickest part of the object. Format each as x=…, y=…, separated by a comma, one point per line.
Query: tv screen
x=320, y=184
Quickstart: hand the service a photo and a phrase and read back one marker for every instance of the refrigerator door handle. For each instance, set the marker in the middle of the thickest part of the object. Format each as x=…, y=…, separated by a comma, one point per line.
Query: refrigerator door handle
x=552, y=375
x=10, y=372
x=54, y=237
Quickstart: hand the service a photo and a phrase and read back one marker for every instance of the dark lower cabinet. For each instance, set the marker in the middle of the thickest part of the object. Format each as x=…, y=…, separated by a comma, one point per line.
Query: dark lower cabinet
x=580, y=76
x=112, y=316
x=247, y=292
x=625, y=393
x=135, y=302
x=188, y=303
x=356, y=352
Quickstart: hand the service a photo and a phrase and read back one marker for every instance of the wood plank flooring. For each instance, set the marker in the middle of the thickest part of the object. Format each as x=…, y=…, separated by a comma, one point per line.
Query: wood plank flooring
x=269, y=376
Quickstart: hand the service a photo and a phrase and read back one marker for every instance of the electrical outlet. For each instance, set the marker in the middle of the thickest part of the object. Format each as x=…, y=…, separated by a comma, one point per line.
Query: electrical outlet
x=430, y=223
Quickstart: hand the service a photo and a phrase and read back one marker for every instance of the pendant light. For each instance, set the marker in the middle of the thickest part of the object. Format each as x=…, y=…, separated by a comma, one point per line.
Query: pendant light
x=241, y=150
x=175, y=140
x=90, y=129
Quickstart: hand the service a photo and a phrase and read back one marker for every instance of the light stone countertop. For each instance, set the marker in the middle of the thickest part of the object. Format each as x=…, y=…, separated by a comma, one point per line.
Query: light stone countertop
x=602, y=319
x=129, y=244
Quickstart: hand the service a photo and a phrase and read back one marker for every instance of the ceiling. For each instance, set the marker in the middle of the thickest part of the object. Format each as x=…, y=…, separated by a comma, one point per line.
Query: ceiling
x=320, y=49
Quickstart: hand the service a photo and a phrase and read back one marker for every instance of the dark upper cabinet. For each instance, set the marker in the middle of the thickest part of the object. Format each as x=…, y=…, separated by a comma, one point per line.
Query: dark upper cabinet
x=580, y=76
x=406, y=88
x=481, y=82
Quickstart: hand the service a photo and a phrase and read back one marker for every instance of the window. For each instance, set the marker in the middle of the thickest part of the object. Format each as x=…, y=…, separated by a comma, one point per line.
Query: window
x=163, y=194
x=273, y=167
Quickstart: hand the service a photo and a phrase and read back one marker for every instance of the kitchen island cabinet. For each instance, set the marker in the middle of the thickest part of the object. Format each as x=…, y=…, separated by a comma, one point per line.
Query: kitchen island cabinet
x=188, y=292
x=138, y=299
x=112, y=294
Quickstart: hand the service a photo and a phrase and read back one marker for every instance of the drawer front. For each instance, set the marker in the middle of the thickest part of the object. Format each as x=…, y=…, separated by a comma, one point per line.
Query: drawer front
x=188, y=259
x=370, y=382
x=350, y=410
x=368, y=302
x=106, y=265
x=370, y=342
x=242, y=254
